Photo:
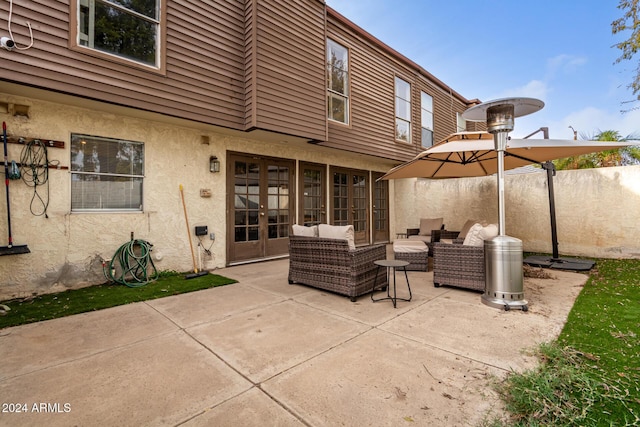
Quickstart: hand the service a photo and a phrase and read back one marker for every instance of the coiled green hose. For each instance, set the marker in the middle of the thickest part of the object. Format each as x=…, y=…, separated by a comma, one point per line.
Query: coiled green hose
x=131, y=265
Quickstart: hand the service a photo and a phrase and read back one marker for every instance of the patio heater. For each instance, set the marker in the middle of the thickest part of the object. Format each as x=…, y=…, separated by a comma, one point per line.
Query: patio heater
x=503, y=254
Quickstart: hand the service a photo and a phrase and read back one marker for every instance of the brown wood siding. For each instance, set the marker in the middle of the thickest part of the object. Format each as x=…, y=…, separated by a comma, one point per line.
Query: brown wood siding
x=445, y=107
x=252, y=64
x=204, y=78
x=372, y=74
x=287, y=75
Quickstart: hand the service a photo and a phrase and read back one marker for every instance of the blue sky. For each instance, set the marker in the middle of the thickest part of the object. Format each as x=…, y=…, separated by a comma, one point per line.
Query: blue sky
x=559, y=51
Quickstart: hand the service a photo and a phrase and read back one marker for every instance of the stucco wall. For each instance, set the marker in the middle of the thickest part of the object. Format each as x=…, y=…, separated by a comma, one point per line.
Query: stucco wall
x=67, y=249
x=597, y=210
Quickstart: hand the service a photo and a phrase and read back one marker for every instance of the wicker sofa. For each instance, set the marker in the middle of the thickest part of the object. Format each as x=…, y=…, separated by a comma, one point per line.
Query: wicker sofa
x=331, y=265
x=455, y=264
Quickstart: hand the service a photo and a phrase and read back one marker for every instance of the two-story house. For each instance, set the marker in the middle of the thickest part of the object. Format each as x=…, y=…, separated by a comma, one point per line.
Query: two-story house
x=265, y=113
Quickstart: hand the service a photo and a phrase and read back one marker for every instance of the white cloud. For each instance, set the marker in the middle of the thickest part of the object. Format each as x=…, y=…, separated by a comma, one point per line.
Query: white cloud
x=591, y=120
x=564, y=63
x=533, y=89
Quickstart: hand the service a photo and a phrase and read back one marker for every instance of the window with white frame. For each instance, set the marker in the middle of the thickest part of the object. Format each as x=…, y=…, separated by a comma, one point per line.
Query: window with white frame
x=125, y=28
x=461, y=124
x=426, y=119
x=337, y=82
x=403, y=110
x=106, y=174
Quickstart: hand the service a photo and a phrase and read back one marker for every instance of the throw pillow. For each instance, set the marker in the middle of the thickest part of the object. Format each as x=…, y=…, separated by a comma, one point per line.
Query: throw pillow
x=428, y=224
x=301, y=230
x=473, y=236
x=338, y=232
x=489, y=232
x=478, y=234
x=465, y=228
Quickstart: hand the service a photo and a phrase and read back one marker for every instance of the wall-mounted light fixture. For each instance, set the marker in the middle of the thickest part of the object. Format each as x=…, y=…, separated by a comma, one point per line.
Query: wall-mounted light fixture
x=214, y=164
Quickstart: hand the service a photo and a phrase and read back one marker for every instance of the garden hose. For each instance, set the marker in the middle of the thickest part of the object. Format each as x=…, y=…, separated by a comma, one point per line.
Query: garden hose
x=34, y=170
x=131, y=265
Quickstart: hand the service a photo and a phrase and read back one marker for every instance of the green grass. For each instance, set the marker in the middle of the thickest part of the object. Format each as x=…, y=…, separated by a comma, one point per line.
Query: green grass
x=590, y=376
x=98, y=297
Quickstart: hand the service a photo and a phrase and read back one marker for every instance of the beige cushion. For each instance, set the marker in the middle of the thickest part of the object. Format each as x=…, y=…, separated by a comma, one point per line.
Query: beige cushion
x=489, y=232
x=301, y=230
x=408, y=246
x=426, y=239
x=466, y=227
x=338, y=232
x=428, y=224
x=473, y=236
x=478, y=234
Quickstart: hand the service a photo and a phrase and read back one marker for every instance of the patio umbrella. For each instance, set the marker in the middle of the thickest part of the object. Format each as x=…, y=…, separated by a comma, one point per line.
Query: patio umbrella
x=470, y=154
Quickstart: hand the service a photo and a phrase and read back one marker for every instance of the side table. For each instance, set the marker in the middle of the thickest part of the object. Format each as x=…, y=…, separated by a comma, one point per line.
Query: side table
x=391, y=265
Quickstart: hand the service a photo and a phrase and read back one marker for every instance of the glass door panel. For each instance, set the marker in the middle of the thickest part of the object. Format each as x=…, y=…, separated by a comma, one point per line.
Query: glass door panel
x=340, y=199
x=351, y=202
x=312, y=202
x=380, y=210
x=278, y=202
x=359, y=203
x=246, y=201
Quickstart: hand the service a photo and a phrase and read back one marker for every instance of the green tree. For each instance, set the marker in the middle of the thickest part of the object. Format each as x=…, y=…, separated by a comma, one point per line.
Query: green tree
x=630, y=21
x=615, y=157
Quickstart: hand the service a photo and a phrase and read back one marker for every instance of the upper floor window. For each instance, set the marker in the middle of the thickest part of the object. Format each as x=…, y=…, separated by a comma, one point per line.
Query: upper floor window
x=106, y=174
x=461, y=124
x=426, y=118
x=403, y=110
x=128, y=29
x=337, y=82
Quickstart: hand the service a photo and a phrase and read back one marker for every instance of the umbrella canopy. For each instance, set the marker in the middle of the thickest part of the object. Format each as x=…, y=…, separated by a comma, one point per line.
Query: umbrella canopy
x=468, y=154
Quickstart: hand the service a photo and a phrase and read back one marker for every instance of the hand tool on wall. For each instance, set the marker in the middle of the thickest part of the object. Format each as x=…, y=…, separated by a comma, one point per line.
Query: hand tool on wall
x=10, y=249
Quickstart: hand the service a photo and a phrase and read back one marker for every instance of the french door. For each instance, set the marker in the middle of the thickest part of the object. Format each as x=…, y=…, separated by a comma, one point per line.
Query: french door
x=351, y=201
x=380, y=209
x=261, y=207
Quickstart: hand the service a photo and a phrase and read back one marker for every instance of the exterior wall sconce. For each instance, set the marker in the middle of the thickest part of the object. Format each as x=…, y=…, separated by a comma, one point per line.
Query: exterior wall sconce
x=214, y=164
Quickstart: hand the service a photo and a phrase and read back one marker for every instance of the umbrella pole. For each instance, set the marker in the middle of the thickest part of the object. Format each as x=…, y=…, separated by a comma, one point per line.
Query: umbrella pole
x=551, y=171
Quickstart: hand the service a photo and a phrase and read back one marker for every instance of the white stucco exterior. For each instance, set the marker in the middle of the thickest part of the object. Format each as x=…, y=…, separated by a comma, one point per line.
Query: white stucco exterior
x=67, y=249
x=597, y=210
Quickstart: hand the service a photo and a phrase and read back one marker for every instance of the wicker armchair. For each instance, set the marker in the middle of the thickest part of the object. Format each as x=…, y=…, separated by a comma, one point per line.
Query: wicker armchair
x=455, y=264
x=329, y=264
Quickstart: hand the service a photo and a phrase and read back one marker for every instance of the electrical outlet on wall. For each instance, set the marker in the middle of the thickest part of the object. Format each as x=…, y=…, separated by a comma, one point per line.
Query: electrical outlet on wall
x=212, y=236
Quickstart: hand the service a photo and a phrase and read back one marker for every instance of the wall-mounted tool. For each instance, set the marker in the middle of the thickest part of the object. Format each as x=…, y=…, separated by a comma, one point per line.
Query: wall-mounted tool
x=10, y=249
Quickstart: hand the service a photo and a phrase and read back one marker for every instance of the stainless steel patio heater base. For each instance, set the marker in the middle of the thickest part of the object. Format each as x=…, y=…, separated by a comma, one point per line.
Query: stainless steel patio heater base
x=503, y=269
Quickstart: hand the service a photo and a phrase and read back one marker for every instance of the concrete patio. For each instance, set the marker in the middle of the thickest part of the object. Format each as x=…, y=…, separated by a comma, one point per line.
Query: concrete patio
x=263, y=352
